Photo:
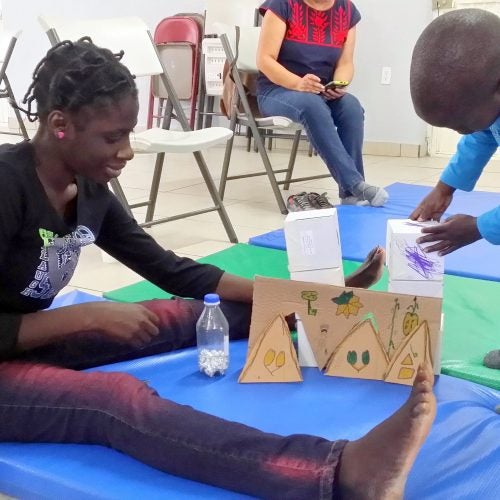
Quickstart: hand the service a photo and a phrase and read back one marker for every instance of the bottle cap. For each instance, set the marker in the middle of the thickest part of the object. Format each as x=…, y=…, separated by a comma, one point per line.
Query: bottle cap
x=211, y=298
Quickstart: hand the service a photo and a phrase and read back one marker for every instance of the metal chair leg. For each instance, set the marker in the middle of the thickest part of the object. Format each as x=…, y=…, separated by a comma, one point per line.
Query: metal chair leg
x=269, y=169
x=291, y=161
x=212, y=189
x=227, y=157
x=118, y=190
x=19, y=118
x=155, y=185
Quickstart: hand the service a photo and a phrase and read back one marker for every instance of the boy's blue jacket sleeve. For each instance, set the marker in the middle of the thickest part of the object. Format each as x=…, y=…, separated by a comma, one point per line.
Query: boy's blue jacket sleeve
x=473, y=153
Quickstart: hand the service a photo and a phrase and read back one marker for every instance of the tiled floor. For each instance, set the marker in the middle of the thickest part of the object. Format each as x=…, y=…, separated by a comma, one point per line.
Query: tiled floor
x=249, y=202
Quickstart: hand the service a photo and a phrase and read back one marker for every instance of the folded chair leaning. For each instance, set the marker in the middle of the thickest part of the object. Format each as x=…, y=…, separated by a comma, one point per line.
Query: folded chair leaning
x=131, y=35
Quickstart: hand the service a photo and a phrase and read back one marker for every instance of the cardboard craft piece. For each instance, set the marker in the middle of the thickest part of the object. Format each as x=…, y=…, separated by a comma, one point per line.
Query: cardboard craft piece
x=415, y=350
x=330, y=313
x=273, y=357
x=312, y=240
x=332, y=276
x=360, y=355
x=405, y=258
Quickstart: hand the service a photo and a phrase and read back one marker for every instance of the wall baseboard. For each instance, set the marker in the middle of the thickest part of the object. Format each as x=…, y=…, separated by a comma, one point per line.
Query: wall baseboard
x=371, y=148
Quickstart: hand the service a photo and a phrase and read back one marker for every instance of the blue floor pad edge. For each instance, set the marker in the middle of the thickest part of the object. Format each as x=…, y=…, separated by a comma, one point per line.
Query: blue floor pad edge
x=362, y=228
x=458, y=460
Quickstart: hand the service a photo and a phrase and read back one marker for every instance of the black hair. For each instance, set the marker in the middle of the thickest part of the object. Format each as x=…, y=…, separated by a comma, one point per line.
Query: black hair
x=77, y=74
x=455, y=63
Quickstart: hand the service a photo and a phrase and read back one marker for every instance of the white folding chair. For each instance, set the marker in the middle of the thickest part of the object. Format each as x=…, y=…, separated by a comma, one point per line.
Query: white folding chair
x=131, y=35
x=8, y=41
x=240, y=45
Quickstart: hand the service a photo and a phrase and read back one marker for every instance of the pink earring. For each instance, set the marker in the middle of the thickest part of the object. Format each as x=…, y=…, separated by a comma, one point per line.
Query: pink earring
x=60, y=134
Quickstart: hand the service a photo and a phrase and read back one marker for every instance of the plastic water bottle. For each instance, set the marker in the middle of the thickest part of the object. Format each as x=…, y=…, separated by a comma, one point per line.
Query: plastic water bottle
x=212, y=338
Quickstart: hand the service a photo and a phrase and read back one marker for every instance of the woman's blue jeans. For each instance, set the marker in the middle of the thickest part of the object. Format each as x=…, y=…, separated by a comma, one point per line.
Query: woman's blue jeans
x=335, y=128
x=45, y=398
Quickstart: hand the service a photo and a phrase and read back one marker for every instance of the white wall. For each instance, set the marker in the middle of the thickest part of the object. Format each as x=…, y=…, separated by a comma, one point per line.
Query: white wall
x=386, y=35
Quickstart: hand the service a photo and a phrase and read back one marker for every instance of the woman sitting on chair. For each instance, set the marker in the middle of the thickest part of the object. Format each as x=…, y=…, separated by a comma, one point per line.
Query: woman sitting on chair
x=304, y=45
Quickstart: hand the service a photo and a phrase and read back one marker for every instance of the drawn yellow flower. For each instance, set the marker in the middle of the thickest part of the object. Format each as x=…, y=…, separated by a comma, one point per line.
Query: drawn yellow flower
x=347, y=304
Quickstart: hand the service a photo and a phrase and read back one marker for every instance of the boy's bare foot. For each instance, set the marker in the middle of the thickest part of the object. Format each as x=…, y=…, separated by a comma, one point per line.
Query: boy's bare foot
x=369, y=272
x=376, y=466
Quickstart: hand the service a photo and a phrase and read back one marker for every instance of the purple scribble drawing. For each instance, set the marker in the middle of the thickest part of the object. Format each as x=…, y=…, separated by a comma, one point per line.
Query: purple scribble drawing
x=419, y=261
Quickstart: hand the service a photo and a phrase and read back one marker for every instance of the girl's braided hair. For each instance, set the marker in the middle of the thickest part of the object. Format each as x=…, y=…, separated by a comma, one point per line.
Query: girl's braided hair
x=77, y=74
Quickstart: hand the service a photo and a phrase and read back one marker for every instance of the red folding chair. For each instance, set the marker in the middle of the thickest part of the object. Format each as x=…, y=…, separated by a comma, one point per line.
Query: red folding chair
x=178, y=39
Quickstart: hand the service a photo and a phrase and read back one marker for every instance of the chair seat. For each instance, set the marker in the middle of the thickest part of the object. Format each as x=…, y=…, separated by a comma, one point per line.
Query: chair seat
x=158, y=140
x=271, y=122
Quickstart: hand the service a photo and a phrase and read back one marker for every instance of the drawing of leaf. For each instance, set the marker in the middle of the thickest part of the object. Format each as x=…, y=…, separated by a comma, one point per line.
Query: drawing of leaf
x=280, y=359
x=343, y=309
x=269, y=357
x=352, y=357
x=343, y=298
x=365, y=357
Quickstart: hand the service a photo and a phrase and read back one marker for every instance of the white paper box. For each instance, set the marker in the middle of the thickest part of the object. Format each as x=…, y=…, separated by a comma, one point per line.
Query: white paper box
x=416, y=287
x=332, y=276
x=312, y=240
x=406, y=259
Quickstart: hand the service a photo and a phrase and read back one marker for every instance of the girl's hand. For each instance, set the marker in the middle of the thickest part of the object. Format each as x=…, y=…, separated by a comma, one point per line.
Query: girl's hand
x=128, y=323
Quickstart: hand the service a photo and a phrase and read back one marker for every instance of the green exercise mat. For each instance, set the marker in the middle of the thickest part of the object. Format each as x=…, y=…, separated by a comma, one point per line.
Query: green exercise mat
x=471, y=328
x=241, y=259
x=471, y=307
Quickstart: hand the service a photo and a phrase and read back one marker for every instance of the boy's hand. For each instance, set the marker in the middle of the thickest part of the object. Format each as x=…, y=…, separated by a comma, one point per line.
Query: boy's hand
x=128, y=323
x=433, y=206
x=456, y=232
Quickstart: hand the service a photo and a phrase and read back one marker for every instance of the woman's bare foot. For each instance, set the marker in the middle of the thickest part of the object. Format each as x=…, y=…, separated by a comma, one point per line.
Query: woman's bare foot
x=369, y=272
x=376, y=466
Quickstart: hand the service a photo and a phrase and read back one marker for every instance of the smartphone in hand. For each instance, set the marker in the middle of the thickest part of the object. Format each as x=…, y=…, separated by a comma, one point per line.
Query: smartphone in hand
x=336, y=84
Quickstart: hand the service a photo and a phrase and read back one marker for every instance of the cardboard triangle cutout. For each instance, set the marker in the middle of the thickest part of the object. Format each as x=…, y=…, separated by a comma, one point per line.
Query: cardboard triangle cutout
x=272, y=358
x=413, y=351
x=360, y=355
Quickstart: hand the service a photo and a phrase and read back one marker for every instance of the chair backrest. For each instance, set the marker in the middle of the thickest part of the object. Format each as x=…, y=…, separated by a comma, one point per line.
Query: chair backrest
x=178, y=40
x=178, y=29
x=240, y=12
x=244, y=48
x=129, y=34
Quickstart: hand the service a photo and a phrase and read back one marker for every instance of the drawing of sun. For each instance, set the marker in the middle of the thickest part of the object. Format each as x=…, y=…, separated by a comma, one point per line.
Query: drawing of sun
x=347, y=304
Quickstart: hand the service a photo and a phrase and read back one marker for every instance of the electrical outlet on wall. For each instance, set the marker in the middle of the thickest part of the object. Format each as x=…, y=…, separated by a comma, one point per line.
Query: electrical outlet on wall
x=442, y=4
x=386, y=75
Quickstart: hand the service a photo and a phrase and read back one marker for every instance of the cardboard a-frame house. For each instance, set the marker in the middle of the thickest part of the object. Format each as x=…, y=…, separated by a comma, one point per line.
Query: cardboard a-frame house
x=352, y=332
x=415, y=350
x=360, y=355
x=273, y=357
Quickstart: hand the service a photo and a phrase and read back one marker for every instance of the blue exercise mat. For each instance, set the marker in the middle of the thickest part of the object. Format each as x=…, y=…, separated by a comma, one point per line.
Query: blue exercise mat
x=459, y=460
x=362, y=228
x=74, y=297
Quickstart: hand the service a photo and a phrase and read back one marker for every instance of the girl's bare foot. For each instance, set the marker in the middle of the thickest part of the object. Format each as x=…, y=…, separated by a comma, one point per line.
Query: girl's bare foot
x=369, y=272
x=376, y=466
